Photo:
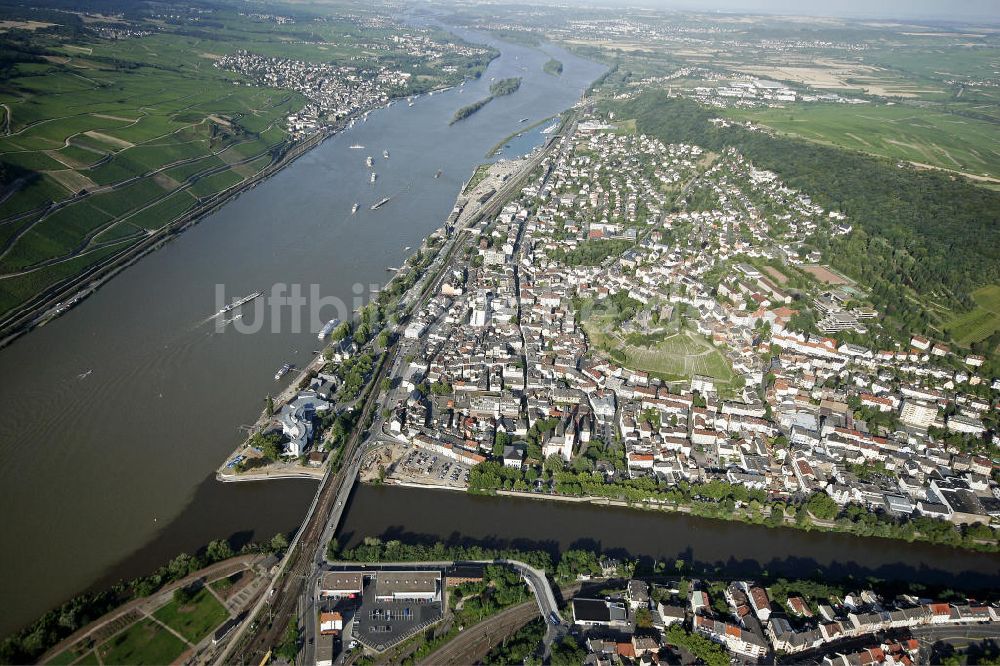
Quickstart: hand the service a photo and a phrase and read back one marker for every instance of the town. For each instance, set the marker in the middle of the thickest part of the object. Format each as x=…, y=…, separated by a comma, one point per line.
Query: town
x=337, y=92
x=647, y=323
x=598, y=338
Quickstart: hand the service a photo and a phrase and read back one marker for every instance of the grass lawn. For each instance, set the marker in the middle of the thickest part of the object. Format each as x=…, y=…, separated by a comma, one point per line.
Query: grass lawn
x=67, y=656
x=89, y=659
x=227, y=582
x=144, y=642
x=980, y=322
x=944, y=140
x=477, y=176
x=673, y=354
x=196, y=619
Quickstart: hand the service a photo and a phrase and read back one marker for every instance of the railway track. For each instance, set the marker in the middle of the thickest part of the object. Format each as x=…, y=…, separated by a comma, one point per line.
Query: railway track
x=266, y=631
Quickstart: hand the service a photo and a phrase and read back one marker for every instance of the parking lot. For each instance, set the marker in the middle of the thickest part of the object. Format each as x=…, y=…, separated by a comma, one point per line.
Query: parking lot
x=379, y=624
x=418, y=466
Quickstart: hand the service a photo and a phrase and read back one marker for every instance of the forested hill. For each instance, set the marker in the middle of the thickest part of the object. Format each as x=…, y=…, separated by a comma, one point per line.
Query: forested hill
x=919, y=235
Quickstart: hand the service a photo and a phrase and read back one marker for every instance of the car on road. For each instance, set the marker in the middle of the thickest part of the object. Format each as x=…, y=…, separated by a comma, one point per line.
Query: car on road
x=554, y=619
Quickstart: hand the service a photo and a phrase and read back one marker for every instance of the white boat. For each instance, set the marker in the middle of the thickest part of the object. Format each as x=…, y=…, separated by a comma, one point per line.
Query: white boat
x=238, y=302
x=354, y=208
x=328, y=328
x=370, y=161
x=385, y=154
x=357, y=146
x=374, y=176
x=406, y=249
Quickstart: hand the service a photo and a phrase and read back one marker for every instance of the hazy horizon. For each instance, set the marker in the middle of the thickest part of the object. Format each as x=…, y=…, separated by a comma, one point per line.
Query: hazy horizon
x=979, y=11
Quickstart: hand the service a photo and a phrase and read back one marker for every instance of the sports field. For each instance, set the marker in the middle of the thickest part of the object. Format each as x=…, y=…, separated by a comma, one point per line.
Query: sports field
x=921, y=135
x=673, y=354
x=982, y=321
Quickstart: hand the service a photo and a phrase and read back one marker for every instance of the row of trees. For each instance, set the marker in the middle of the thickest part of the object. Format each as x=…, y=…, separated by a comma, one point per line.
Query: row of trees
x=722, y=500
x=373, y=549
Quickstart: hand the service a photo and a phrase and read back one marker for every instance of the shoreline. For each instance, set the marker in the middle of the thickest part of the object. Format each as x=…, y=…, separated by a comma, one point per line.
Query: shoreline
x=823, y=526
x=499, y=146
x=72, y=291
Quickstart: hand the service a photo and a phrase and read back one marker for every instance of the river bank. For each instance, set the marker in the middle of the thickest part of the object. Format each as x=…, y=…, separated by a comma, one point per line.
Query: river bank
x=71, y=292
x=67, y=294
x=143, y=383
x=422, y=516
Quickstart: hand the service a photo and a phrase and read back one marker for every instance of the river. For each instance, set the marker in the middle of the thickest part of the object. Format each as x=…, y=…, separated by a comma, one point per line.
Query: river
x=114, y=416
x=415, y=515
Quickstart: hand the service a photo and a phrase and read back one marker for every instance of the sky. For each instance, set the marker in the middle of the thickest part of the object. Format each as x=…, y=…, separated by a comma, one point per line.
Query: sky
x=987, y=11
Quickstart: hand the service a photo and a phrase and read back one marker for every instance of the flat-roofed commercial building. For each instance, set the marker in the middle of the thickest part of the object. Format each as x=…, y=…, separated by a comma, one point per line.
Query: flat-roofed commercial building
x=338, y=584
x=399, y=585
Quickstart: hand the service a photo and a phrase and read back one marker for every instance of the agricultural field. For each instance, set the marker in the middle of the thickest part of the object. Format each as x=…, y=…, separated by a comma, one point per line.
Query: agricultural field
x=129, y=134
x=195, y=619
x=915, y=134
x=982, y=321
x=145, y=642
x=87, y=130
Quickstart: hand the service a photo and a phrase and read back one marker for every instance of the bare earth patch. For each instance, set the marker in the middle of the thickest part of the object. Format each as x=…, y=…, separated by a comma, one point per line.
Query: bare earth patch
x=165, y=181
x=23, y=25
x=72, y=180
x=825, y=275
x=776, y=274
x=107, y=117
x=114, y=141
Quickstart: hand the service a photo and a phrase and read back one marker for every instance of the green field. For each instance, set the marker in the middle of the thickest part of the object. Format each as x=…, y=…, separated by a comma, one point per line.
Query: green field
x=923, y=135
x=65, y=657
x=88, y=114
x=195, y=619
x=144, y=642
x=674, y=354
x=982, y=321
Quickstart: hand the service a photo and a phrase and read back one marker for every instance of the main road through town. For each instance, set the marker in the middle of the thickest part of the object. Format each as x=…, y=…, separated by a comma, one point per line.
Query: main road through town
x=114, y=416
x=295, y=578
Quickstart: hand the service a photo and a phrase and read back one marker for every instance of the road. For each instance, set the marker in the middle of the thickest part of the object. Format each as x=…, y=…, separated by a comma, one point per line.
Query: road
x=544, y=603
x=471, y=645
x=299, y=571
x=959, y=635
x=299, y=565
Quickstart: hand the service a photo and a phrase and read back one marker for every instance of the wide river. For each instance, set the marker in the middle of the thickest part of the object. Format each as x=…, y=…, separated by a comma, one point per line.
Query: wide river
x=114, y=416
x=416, y=515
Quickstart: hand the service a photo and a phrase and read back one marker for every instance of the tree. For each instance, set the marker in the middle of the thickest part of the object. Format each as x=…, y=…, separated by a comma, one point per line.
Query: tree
x=218, y=550
x=822, y=506
x=279, y=543
x=183, y=595
x=567, y=652
x=288, y=648
x=269, y=407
